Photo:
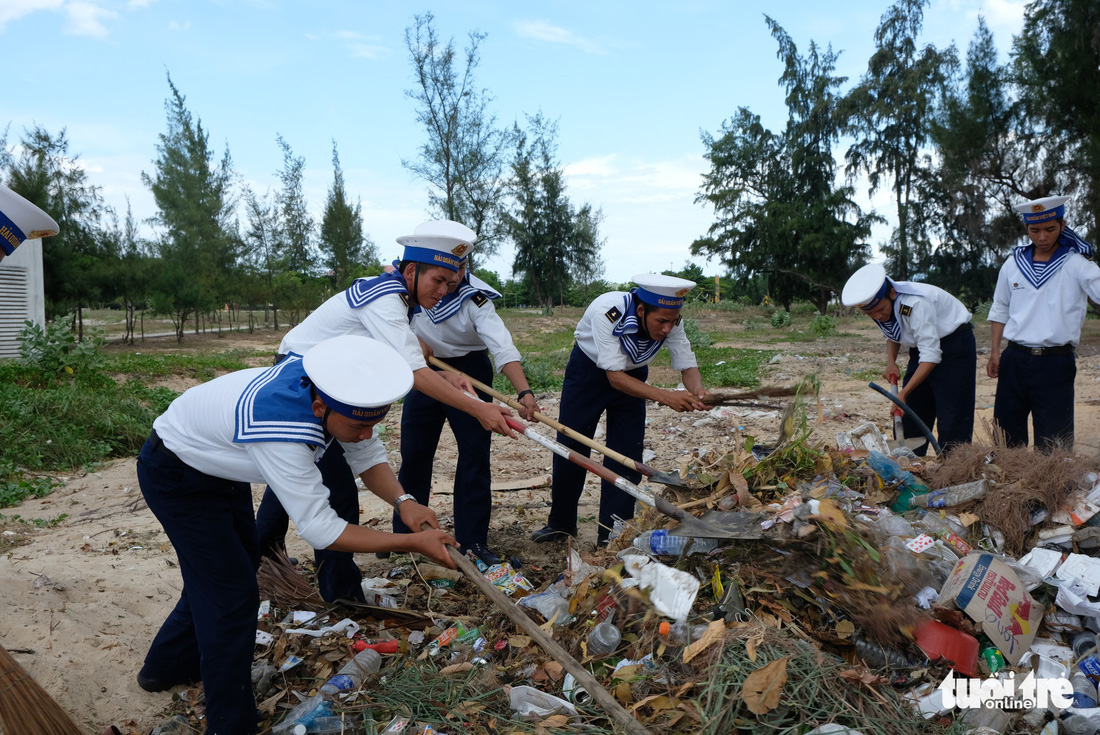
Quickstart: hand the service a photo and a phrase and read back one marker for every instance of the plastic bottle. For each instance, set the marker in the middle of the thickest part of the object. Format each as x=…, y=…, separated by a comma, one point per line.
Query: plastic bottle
x=675, y=634
x=1084, y=691
x=311, y=709
x=661, y=543
x=955, y=495
x=1084, y=644
x=892, y=473
x=992, y=655
x=941, y=529
x=604, y=639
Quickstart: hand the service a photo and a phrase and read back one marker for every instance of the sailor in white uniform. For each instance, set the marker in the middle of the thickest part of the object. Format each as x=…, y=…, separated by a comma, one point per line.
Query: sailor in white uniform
x=940, y=378
x=618, y=336
x=381, y=308
x=1039, y=306
x=263, y=425
x=20, y=220
x=461, y=330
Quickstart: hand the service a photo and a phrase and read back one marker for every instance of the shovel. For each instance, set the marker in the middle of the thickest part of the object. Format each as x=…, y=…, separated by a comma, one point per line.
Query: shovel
x=715, y=524
x=899, y=430
x=913, y=415
x=671, y=479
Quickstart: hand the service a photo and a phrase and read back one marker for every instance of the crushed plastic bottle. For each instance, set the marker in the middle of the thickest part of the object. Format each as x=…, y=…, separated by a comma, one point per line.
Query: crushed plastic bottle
x=604, y=639
x=892, y=473
x=661, y=543
x=954, y=495
x=311, y=709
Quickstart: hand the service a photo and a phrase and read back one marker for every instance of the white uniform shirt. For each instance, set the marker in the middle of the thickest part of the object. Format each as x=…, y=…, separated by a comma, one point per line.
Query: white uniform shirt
x=199, y=427
x=595, y=338
x=473, y=328
x=926, y=317
x=385, y=319
x=1049, y=316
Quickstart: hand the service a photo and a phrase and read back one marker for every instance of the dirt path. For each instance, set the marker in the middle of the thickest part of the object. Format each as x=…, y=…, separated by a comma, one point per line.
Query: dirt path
x=83, y=599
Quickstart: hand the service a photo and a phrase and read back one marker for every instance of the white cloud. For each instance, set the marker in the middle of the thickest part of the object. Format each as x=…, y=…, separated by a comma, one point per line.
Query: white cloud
x=367, y=51
x=135, y=4
x=15, y=9
x=177, y=26
x=86, y=19
x=540, y=30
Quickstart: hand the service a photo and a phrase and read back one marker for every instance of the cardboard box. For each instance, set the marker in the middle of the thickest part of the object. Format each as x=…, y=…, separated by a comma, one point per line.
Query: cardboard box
x=989, y=592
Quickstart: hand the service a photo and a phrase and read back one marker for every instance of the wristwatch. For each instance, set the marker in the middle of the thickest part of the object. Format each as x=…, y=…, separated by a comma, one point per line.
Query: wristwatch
x=401, y=499
x=523, y=393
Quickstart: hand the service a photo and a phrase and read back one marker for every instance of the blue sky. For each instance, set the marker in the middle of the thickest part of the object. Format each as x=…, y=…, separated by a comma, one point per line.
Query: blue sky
x=631, y=84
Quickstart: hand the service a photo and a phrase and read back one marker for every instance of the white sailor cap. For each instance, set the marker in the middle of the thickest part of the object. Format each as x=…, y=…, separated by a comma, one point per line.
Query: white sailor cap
x=1042, y=210
x=664, y=292
x=20, y=220
x=439, y=242
x=357, y=376
x=866, y=287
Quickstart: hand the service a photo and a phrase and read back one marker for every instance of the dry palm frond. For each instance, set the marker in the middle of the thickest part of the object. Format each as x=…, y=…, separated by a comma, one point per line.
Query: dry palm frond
x=719, y=398
x=285, y=586
x=25, y=707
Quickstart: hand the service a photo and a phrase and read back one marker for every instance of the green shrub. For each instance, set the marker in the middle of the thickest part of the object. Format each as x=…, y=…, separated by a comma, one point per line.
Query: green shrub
x=823, y=325
x=781, y=319
x=55, y=352
x=803, y=308
x=754, y=324
x=697, y=337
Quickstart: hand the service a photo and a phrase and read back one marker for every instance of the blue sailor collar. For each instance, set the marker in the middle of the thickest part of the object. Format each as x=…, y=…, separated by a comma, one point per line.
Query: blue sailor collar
x=277, y=407
x=1069, y=242
x=452, y=303
x=638, y=348
x=366, y=290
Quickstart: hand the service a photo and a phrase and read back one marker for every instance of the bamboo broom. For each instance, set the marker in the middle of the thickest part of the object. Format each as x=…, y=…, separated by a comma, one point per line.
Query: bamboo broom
x=25, y=707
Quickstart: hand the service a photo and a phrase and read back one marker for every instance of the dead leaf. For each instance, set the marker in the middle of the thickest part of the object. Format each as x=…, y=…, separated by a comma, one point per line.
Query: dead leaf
x=555, y=722
x=844, y=629
x=806, y=530
x=519, y=641
x=762, y=687
x=267, y=706
x=554, y=669
x=715, y=633
x=828, y=511
x=750, y=649
x=623, y=694
x=968, y=519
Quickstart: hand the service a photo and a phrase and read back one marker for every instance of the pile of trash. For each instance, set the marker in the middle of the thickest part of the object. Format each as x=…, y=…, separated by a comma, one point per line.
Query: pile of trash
x=859, y=589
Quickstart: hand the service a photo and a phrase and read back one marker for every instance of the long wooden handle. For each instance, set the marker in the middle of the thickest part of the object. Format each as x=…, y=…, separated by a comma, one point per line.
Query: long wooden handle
x=622, y=459
x=503, y=603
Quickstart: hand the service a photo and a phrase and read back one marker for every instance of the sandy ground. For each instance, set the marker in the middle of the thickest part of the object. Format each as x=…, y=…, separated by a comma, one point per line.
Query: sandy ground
x=84, y=597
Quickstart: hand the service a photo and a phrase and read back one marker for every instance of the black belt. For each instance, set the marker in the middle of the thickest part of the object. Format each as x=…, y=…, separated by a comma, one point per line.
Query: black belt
x=1041, y=351
x=158, y=446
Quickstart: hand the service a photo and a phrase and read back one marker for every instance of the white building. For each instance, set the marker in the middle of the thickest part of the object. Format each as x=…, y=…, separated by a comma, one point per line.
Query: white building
x=22, y=294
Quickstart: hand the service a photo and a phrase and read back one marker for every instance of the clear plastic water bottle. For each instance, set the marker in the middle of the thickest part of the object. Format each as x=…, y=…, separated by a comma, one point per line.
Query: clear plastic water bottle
x=603, y=640
x=1084, y=643
x=954, y=495
x=661, y=543
x=313, y=709
x=1084, y=691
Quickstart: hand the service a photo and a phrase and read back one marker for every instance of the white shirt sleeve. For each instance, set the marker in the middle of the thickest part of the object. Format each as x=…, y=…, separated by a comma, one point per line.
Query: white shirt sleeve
x=678, y=344
x=361, y=456
x=1088, y=277
x=289, y=469
x=922, y=323
x=490, y=328
x=1002, y=295
x=386, y=319
x=610, y=355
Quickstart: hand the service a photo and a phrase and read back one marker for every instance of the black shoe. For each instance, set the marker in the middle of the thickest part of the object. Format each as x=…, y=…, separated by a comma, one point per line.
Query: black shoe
x=382, y=555
x=550, y=533
x=483, y=552
x=152, y=682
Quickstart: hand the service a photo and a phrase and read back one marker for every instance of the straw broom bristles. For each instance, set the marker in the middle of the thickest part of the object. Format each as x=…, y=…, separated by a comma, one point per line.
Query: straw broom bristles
x=25, y=707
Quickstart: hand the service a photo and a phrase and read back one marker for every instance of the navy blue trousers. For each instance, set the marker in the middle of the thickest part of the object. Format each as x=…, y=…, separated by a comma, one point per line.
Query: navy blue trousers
x=338, y=576
x=586, y=394
x=211, y=633
x=1041, y=385
x=946, y=396
x=422, y=419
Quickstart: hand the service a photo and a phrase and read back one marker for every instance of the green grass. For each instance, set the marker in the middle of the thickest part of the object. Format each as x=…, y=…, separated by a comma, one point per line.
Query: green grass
x=157, y=365
x=740, y=368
